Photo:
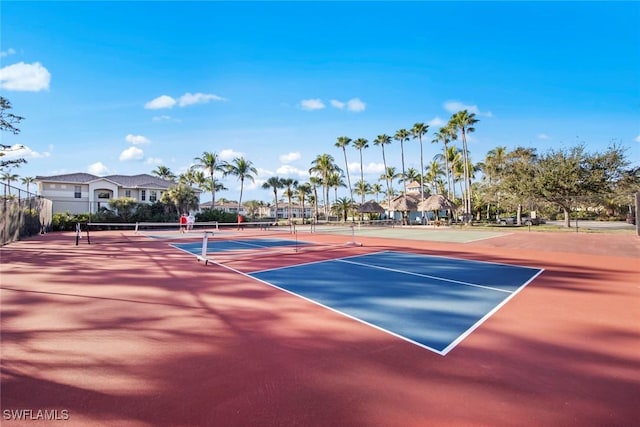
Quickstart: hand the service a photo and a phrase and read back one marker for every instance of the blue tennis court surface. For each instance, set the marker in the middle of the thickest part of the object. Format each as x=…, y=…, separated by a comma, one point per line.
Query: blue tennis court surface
x=236, y=245
x=434, y=302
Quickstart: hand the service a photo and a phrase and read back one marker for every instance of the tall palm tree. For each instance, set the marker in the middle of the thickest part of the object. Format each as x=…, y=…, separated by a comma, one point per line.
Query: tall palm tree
x=433, y=173
x=493, y=168
x=274, y=183
x=243, y=169
x=290, y=185
x=383, y=140
x=164, y=172
x=402, y=135
x=464, y=122
x=210, y=162
x=304, y=190
x=323, y=165
x=418, y=131
x=376, y=189
x=360, y=144
x=28, y=180
x=342, y=142
x=335, y=181
x=9, y=177
x=445, y=135
x=315, y=182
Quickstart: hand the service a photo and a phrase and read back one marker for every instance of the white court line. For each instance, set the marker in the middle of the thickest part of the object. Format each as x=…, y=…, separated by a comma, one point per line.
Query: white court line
x=458, y=282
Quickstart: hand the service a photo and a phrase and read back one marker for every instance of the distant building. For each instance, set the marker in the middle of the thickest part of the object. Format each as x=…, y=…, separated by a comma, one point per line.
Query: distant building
x=79, y=193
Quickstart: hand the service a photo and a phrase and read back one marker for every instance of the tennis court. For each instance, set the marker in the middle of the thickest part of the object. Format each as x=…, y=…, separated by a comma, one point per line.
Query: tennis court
x=517, y=329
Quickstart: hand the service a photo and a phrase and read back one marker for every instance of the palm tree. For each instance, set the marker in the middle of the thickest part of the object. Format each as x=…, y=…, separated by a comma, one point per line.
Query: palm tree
x=210, y=162
x=342, y=206
x=28, y=180
x=164, y=172
x=304, y=190
x=360, y=144
x=324, y=165
x=433, y=173
x=243, y=169
x=493, y=168
x=418, y=131
x=290, y=186
x=190, y=177
x=315, y=182
x=274, y=183
x=383, y=140
x=376, y=189
x=335, y=181
x=9, y=178
x=445, y=135
x=342, y=142
x=362, y=189
x=389, y=175
x=464, y=121
x=402, y=135
x=182, y=196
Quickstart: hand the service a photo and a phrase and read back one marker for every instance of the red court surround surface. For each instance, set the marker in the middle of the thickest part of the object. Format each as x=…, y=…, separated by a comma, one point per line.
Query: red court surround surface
x=130, y=332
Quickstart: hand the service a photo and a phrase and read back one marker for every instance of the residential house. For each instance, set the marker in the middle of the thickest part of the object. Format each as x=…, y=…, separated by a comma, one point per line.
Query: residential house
x=78, y=193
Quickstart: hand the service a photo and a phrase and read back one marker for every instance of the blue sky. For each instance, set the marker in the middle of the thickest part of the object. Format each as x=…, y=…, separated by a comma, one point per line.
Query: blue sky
x=122, y=87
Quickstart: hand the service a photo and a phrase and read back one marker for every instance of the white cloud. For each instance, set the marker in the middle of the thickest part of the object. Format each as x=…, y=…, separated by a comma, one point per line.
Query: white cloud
x=354, y=167
x=312, y=104
x=131, y=153
x=356, y=105
x=25, y=77
x=162, y=118
x=289, y=157
x=288, y=171
x=137, y=139
x=229, y=154
x=23, y=152
x=198, y=98
x=455, y=106
x=7, y=52
x=375, y=168
x=543, y=136
x=163, y=101
x=637, y=138
x=436, y=122
x=98, y=169
x=153, y=161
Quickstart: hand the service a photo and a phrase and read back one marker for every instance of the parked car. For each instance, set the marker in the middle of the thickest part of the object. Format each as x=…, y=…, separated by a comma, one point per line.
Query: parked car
x=524, y=220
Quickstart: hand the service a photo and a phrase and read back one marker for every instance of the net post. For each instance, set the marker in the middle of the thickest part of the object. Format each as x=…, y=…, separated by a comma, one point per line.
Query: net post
x=88, y=238
x=77, y=233
x=205, y=243
x=136, y=229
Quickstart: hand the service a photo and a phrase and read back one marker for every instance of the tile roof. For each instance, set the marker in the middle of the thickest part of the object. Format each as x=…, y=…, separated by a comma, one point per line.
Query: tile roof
x=129, y=181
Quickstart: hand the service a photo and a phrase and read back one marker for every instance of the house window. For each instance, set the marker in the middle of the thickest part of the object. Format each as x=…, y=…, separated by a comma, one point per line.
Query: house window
x=77, y=192
x=143, y=195
x=52, y=186
x=127, y=193
x=153, y=196
x=104, y=195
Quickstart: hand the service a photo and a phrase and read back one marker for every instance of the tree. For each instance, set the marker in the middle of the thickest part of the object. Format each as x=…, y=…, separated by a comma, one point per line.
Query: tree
x=210, y=162
x=164, y=172
x=464, y=122
x=342, y=142
x=335, y=181
x=519, y=175
x=9, y=177
x=315, y=182
x=402, y=135
x=274, y=183
x=304, y=190
x=323, y=165
x=290, y=185
x=418, y=131
x=362, y=189
x=360, y=144
x=28, y=180
x=568, y=176
x=8, y=123
x=243, y=169
x=342, y=206
x=383, y=140
x=182, y=196
x=376, y=190
x=445, y=135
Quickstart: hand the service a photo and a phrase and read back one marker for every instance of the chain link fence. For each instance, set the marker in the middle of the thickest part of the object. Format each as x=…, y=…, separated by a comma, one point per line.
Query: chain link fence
x=22, y=214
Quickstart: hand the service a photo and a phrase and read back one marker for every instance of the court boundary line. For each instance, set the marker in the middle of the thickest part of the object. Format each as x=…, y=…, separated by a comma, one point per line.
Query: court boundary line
x=443, y=352
x=464, y=259
x=411, y=273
